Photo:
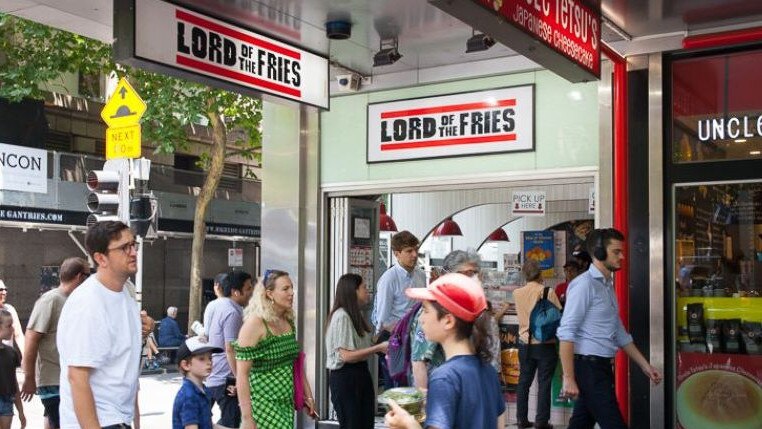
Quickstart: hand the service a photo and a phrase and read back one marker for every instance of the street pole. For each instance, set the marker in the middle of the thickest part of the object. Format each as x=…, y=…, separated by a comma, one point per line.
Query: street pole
x=139, y=273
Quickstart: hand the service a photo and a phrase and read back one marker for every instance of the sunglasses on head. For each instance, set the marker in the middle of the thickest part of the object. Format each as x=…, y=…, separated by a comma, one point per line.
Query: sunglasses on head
x=2, y=289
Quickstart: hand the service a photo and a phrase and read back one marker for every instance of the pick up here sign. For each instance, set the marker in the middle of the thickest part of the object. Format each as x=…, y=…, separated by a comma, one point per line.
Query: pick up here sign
x=493, y=121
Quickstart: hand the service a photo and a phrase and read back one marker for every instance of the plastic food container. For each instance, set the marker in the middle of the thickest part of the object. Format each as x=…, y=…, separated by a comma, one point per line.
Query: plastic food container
x=410, y=399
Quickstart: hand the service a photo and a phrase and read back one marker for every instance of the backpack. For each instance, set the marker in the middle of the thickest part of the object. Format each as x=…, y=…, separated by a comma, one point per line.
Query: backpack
x=398, y=352
x=544, y=319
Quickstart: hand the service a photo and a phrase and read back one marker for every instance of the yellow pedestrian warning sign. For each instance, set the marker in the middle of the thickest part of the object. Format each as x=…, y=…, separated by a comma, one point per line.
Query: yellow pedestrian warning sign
x=124, y=108
x=123, y=142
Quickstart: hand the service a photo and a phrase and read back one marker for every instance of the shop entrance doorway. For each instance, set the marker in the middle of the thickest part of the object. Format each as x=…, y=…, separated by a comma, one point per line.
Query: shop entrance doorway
x=356, y=244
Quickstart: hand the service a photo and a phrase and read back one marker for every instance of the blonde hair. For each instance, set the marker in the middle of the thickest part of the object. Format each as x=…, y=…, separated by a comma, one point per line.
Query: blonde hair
x=262, y=306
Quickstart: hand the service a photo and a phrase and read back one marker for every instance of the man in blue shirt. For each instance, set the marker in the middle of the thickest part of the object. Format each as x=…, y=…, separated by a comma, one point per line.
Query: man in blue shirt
x=591, y=333
x=391, y=303
x=169, y=330
x=221, y=330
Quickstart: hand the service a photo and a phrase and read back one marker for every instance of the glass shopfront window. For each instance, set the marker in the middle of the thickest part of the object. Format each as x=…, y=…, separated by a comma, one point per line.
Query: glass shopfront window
x=718, y=282
x=716, y=108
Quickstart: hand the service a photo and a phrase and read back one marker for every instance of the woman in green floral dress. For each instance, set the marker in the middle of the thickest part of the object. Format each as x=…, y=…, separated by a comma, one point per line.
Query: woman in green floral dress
x=265, y=353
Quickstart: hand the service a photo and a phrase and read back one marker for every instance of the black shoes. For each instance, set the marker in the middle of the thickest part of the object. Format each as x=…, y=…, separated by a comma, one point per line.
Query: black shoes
x=532, y=425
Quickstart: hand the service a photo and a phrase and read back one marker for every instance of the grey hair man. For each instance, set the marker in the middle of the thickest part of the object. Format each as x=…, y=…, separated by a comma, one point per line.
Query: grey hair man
x=463, y=262
x=169, y=330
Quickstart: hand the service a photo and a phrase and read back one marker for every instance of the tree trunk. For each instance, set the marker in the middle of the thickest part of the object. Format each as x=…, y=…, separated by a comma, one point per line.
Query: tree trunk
x=219, y=139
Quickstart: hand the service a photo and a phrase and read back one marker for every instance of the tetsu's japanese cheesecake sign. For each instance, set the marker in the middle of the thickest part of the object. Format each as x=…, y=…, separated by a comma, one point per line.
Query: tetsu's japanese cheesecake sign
x=563, y=36
x=164, y=37
x=474, y=123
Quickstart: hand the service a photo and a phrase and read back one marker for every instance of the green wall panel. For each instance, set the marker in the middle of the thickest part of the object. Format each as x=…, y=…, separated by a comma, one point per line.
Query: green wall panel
x=566, y=132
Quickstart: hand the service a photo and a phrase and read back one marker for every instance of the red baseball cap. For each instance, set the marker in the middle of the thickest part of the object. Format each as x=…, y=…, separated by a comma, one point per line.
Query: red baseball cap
x=460, y=295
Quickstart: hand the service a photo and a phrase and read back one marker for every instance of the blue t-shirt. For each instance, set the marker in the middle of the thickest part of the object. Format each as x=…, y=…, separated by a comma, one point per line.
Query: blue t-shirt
x=193, y=406
x=464, y=393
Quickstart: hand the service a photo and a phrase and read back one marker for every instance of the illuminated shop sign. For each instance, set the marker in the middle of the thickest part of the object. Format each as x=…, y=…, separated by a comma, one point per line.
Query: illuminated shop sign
x=192, y=45
x=733, y=127
x=473, y=123
x=569, y=31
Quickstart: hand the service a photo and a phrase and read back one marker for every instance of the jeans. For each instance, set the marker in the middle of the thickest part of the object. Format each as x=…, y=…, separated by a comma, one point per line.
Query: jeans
x=49, y=395
x=541, y=359
x=597, y=398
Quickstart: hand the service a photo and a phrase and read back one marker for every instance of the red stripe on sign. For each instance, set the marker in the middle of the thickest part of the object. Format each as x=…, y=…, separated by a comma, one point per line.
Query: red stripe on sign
x=209, y=25
x=448, y=142
x=528, y=211
x=210, y=68
x=447, y=109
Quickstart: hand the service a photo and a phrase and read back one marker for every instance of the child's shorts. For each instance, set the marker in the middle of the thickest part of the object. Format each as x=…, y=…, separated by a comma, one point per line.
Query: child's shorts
x=6, y=405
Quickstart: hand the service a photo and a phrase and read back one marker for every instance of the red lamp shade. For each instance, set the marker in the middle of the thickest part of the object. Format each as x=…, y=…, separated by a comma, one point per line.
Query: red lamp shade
x=386, y=223
x=498, y=235
x=447, y=228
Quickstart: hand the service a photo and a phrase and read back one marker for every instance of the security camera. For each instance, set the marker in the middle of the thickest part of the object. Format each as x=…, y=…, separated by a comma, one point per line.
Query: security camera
x=348, y=82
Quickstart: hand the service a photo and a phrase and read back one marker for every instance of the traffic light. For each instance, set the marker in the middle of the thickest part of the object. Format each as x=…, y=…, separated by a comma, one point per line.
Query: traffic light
x=143, y=215
x=109, y=194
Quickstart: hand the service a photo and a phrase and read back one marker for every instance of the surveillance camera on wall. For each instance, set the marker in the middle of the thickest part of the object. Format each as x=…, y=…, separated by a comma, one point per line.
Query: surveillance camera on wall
x=348, y=82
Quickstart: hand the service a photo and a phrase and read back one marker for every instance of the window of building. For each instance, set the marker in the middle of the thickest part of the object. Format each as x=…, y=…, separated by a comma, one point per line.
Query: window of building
x=716, y=110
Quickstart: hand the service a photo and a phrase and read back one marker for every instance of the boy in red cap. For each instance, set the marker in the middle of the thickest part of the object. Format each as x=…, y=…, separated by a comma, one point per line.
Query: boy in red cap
x=464, y=392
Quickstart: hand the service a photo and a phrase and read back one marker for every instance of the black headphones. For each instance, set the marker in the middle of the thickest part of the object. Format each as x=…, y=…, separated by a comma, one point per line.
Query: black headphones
x=599, y=249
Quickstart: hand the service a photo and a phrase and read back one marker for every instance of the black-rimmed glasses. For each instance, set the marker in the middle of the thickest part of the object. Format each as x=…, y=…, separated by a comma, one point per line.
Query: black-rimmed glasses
x=126, y=247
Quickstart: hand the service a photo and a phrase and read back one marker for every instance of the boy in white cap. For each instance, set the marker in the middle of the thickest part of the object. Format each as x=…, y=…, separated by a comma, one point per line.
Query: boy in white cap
x=193, y=403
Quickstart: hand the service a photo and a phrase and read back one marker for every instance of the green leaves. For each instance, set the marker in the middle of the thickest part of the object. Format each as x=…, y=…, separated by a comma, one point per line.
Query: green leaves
x=177, y=112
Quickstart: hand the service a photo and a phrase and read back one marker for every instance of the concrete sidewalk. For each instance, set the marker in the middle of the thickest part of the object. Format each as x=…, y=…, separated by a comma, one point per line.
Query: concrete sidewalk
x=157, y=394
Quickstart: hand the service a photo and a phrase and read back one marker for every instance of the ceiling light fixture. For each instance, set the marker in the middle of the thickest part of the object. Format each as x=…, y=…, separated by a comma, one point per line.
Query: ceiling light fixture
x=448, y=228
x=479, y=42
x=388, y=52
x=498, y=235
x=755, y=152
x=385, y=222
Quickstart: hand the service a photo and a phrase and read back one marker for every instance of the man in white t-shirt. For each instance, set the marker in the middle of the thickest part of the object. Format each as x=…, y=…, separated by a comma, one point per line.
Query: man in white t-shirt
x=99, y=337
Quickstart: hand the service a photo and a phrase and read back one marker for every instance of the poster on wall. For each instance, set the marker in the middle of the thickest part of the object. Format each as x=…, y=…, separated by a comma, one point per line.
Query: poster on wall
x=539, y=245
x=718, y=391
x=473, y=123
x=235, y=257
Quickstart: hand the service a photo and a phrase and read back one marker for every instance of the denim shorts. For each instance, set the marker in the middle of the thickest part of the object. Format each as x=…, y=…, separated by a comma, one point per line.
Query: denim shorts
x=6, y=405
